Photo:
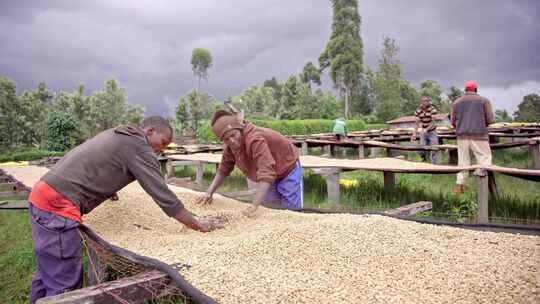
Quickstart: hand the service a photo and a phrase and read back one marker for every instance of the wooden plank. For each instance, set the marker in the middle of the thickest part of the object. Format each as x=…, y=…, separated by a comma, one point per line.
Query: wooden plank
x=411, y=209
x=176, y=163
x=200, y=174
x=14, y=205
x=389, y=180
x=375, y=143
x=534, y=149
x=304, y=148
x=332, y=187
x=514, y=135
x=13, y=186
x=361, y=152
x=483, y=196
x=135, y=289
x=13, y=194
x=169, y=168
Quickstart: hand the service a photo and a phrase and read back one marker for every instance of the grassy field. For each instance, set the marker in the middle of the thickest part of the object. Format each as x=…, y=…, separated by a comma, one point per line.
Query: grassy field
x=362, y=191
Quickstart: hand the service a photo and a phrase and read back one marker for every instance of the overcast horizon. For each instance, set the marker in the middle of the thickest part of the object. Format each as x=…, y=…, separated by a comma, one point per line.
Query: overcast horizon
x=147, y=45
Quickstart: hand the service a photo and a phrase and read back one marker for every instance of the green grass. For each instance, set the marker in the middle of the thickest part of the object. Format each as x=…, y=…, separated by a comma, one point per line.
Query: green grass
x=17, y=262
x=26, y=153
x=16, y=256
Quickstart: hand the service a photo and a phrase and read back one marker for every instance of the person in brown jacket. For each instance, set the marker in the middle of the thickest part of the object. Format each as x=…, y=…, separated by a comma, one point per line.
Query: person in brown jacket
x=264, y=156
x=84, y=178
x=471, y=116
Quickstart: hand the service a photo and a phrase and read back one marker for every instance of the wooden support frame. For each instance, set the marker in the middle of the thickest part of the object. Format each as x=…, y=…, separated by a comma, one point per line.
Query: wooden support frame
x=13, y=186
x=361, y=152
x=534, y=150
x=200, y=174
x=17, y=194
x=135, y=289
x=304, y=150
x=169, y=168
x=391, y=152
x=410, y=209
x=331, y=176
x=389, y=180
x=482, y=196
x=453, y=157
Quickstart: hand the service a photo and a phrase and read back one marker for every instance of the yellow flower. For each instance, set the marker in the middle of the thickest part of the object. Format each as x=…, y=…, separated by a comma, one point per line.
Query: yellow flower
x=348, y=183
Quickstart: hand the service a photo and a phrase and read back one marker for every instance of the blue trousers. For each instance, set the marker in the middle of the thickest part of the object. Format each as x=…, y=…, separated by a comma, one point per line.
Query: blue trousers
x=289, y=191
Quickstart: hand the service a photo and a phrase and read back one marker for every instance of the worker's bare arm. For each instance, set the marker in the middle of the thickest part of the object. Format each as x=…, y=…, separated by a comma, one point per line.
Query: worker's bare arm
x=185, y=217
x=258, y=199
x=207, y=197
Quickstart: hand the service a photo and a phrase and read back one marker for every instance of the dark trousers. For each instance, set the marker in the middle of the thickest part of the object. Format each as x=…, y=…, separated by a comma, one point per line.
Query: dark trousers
x=58, y=251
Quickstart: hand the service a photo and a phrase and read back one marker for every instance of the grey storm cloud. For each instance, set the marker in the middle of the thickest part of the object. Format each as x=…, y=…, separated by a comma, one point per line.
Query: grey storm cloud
x=147, y=45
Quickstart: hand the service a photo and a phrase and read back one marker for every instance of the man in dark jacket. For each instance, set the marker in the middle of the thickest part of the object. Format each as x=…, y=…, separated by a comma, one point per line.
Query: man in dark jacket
x=84, y=178
x=471, y=116
x=264, y=156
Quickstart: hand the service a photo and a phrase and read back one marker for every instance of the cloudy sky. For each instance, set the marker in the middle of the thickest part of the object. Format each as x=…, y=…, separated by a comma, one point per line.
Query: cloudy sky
x=147, y=44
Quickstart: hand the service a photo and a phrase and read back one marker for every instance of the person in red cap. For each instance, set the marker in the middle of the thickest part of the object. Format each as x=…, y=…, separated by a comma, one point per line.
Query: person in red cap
x=264, y=156
x=471, y=116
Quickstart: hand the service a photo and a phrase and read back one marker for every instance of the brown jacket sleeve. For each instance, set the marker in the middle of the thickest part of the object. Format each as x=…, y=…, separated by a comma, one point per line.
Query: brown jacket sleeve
x=488, y=111
x=266, y=165
x=453, y=115
x=145, y=168
x=227, y=162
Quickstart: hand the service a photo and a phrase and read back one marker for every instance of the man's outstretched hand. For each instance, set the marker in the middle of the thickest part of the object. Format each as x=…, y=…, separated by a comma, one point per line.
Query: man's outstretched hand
x=250, y=211
x=210, y=223
x=205, y=199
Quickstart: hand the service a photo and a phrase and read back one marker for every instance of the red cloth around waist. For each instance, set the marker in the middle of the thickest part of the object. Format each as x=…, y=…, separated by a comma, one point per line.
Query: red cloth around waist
x=46, y=198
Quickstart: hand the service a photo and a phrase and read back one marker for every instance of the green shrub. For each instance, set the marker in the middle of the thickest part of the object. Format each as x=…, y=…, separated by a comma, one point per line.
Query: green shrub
x=60, y=126
x=286, y=127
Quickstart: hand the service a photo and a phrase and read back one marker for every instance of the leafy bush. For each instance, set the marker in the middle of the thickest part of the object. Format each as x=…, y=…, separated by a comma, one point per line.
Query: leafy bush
x=60, y=126
x=286, y=127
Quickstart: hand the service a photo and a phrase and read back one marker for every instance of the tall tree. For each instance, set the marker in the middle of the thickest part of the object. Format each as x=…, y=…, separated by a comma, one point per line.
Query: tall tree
x=344, y=51
x=34, y=106
x=310, y=74
x=107, y=107
x=394, y=95
x=453, y=94
x=529, y=109
x=364, y=103
x=60, y=127
x=276, y=86
x=502, y=116
x=202, y=105
x=258, y=101
x=201, y=61
x=134, y=114
x=10, y=119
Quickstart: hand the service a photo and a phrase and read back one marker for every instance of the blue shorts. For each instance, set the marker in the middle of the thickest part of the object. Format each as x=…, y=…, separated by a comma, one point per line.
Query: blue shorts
x=289, y=191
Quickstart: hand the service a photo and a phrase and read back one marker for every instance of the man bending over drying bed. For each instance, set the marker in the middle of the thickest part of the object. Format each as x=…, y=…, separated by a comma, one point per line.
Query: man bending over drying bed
x=264, y=156
x=83, y=179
